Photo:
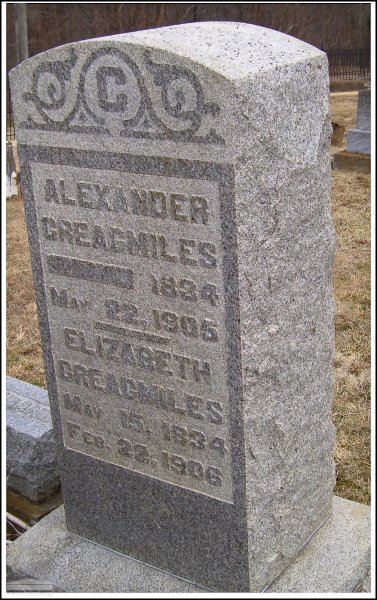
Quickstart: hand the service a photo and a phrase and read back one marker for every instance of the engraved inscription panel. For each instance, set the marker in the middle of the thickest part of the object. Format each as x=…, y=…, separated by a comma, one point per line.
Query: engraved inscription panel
x=133, y=274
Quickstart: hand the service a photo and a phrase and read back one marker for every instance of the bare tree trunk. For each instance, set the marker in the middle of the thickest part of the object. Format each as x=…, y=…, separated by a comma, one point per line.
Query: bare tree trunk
x=21, y=31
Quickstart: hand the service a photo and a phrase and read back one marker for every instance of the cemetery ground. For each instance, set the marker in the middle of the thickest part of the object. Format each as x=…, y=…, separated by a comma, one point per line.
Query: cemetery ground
x=351, y=209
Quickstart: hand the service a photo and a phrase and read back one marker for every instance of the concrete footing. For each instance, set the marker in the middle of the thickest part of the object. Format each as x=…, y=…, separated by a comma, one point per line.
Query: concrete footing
x=350, y=161
x=336, y=559
x=358, y=141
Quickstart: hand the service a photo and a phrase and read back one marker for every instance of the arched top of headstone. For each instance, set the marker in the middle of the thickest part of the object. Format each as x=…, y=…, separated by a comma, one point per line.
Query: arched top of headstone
x=158, y=84
x=234, y=50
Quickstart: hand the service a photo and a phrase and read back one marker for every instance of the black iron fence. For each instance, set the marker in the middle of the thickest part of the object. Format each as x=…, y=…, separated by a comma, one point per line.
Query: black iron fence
x=349, y=64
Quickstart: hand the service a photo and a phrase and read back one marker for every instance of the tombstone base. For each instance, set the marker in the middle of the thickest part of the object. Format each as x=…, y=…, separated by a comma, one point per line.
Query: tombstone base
x=350, y=161
x=358, y=140
x=348, y=85
x=336, y=559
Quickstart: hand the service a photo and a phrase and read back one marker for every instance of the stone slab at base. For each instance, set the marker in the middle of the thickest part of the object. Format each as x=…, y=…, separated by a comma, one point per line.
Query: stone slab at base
x=32, y=469
x=336, y=559
x=358, y=140
x=348, y=85
x=350, y=161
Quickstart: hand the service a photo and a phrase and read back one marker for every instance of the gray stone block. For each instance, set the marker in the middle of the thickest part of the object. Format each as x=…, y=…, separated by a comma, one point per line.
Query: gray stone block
x=32, y=469
x=363, y=110
x=177, y=189
x=335, y=560
x=358, y=140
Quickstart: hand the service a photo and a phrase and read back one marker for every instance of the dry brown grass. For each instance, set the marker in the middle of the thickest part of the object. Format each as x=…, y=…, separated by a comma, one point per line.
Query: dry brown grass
x=344, y=108
x=24, y=352
x=343, y=111
x=351, y=202
x=351, y=206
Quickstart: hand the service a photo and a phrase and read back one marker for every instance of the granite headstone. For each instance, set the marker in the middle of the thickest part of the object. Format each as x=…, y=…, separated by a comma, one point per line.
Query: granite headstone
x=358, y=139
x=177, y=189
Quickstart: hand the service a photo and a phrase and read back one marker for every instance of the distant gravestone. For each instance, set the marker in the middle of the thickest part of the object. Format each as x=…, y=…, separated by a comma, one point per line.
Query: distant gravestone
x=358, y=139
x=11, y=171
x=32, y=469
x=177, y=190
